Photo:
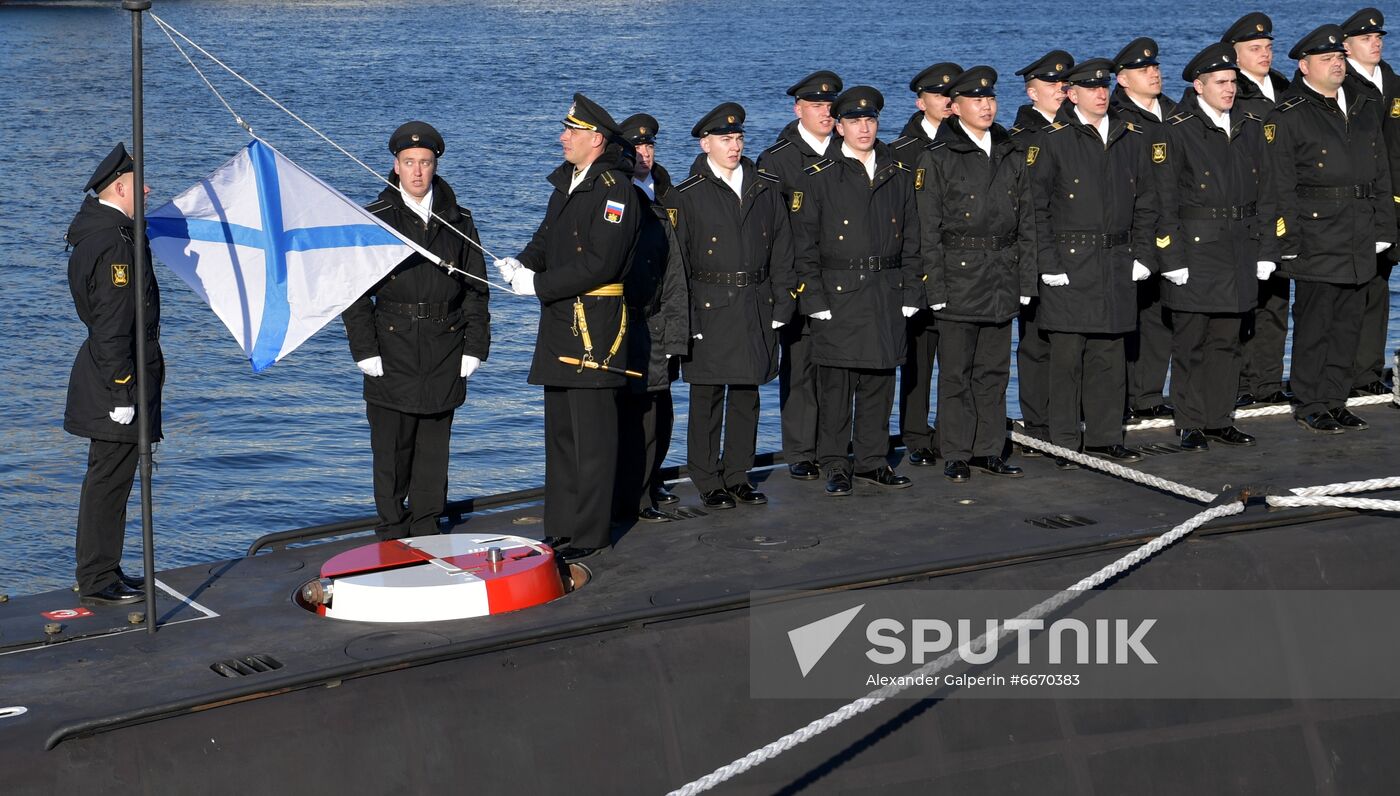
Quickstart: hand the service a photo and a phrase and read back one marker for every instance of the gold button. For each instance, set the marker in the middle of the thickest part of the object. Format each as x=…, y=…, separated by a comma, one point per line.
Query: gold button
x=963, y=262
x=1071, y=251
x=1071, y=196
x=709, y=251
x=845, y=221
x=1314, y=215
x=1319, y=165
x=1197, y=239
x=579, y=248
x=707, y=304
x=838, y=288
x=714, y=240
x=391, y=328
x=1076, y=180
x=840, y=237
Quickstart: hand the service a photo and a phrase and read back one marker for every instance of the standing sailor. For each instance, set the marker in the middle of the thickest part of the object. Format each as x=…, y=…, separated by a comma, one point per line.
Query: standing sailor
x=417, y=336
x=1265, y=330
x=657, y=303
x=858, y=253
x=1045, y=88
x=1096, y=215
x=575, y=264
x=732, y=224
x=1368, y=73
x=1335, y=216
x=1138, y=99
x=102, y=389
x=1220, y=205
x=930, y=88
x=977, y=223
x=806, y=140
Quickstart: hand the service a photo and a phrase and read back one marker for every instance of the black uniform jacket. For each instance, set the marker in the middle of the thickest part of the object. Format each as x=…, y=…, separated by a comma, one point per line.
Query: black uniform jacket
x=102, y=279
x=422, y=355
x=1028, y=121
x=586, y=241
x=720, y=236
x=1313, y=146
x=1219, y=209
x=858, y=257
x=977, y=224
x=1249, y=98
x=1154, y=137
x=1388, y=107
x=658, y=301
x=912, y=141
x=790, y=156
x=1088, y=194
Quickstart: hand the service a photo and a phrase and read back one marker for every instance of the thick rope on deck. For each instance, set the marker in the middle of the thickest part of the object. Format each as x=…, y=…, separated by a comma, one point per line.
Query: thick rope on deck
x=1347, y=487
x=1371, y=504
x=1039, y=611
x=1127, y=473
x=1267, y=411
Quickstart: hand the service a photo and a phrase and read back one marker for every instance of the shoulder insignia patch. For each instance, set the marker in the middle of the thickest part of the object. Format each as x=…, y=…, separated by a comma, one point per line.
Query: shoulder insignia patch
x=769, y=177
x=1395, y=108
x=1270, y=130
x=1132, y=128
x=796, y=201
x=1249, y=115
x=1180, y=117
x=690, y=182
x=782, y=144
x=1015, y=130
x=1290, y=103
x=1031, y=154
x=1058, y=126
x=900, y=164
x=613, y=210
x=918, y=179
x=121, y=274
x=376, y=205
x=1159, y=153
x=818, y=166
x=674, y=214
x=608, y=179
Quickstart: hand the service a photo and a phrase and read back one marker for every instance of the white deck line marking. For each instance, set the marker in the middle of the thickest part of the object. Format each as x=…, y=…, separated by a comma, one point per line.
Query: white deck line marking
x=207, y=614
x=187, y=601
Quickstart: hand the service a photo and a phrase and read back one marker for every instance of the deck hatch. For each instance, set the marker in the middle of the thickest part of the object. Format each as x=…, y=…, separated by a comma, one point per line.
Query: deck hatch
x=1059, y=521
x=245, y=666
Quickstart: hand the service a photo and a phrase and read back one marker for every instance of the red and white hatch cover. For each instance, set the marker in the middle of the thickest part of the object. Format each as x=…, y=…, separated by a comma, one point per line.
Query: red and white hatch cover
x=433, y=578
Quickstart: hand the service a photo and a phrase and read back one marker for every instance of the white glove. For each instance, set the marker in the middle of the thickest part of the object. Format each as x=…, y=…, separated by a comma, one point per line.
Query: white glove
x=1025, y=300
x=824, y=315
x=1264, y=269
x=508, y=266
x=1290, y=256
x=372, y=367
x=937, y=307
x=1381, y=246
x=1140, y=271
x=469, y=365
x=1177, y=277
x=778, y=324
x=123, y=415
x=523, y=281
x=908, y=311
x=1055, y=280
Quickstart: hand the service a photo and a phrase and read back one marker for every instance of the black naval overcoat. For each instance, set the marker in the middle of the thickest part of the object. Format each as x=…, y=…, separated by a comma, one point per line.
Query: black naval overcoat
x=858, y=257
x=964, y=199
x=912, y=141
x=721, y=237
x=1248, y=96
x=423, y=355
x=1219, y=209
x=789, y=158
x=586, y=241
x=1334, y=190
x=1154, y=137
x=1387, y=107
x=103, y=284
x=1088, y=195
x=658, y=298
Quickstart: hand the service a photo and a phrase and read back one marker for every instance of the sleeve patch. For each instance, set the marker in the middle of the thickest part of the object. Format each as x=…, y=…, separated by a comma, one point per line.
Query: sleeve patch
x=1164, y=241
x=1270, y=130
x=1159, y=153
x=1031, y=154
x=1280, y=228
x=674, y=214
x=121, y=274
x=918, y=179
x=613, y=210
x=796, y=201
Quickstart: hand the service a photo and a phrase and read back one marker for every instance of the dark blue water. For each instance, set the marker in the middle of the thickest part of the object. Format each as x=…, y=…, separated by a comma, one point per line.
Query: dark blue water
x=245, y=455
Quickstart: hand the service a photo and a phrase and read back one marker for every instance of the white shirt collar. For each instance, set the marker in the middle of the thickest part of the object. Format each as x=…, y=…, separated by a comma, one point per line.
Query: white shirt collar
x=1102, y=126
x=1049, y=117
x=1341, y=96
x=579, y=176
x=1155, y=108
x=648, y=185
x=1266, y=85
x=818, y=145
x=1222, y=120
x=114, y=207
x=423, y=209
x=985, y=144
x=735, y=180
x=1374, y=75
x=930, y=129
x=869, y=165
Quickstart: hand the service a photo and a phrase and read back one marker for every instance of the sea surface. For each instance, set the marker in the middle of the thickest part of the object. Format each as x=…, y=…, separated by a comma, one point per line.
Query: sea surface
x=249, y=454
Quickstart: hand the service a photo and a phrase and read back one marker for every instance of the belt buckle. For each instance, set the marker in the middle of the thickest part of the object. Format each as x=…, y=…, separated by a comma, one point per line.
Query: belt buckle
x=419, y=313
x=874, y=263
x=741, y=279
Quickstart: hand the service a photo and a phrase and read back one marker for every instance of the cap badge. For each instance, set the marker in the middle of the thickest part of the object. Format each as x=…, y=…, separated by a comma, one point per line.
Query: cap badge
x=826, y=87
x=864, y=102
x=729, y=119
x=642, y=130
x=414, y=138
x=1259, y=27
x=573, y=110
x=1224, y=57
x=1147, y=52
x=984, y=82
x=1098, y=73
x=946, y=78
x=1331, y=39
x=1059, y=67
x=1374, y=22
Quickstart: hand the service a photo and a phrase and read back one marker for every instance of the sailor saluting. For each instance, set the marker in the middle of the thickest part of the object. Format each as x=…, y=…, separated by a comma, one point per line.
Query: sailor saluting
x=102, y=388
x=575, y=264
x=418, y=335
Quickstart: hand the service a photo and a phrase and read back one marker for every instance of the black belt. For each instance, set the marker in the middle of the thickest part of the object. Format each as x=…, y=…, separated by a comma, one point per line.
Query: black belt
x=1236, y=213
x=1104, y=240
x=862, y=263
x=1366, y=191
x=986, y=243
x=731, y=278
x=421, y=310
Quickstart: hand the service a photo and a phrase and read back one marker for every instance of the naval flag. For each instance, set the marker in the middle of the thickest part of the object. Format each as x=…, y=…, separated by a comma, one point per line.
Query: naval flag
x=275, y=252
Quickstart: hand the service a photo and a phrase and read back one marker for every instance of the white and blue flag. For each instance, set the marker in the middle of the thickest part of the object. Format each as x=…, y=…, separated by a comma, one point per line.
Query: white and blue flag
x=275, y=252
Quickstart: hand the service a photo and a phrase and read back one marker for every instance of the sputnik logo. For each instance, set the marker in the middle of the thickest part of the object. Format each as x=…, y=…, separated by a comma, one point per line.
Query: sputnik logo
x=811, y=641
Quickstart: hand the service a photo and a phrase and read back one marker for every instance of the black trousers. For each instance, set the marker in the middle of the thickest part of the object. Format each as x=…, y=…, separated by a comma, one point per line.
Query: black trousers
x=715, y=465
x=410, y=461
x=916, y=381
x=1086, y=381
x=111, y=469
x=1375, y=318
x=645, y=421
x=1033, y=372
x=580, y=463
x=1148, y=352
x=873, y=393
x=1264, y=332
x=1205, y=368
x=1326, y=328
x=797, y=392
x=974, y=369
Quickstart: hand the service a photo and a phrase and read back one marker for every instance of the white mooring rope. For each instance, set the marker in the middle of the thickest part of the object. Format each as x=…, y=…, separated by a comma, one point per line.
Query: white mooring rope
x=1266, y=411
x=1119, y=470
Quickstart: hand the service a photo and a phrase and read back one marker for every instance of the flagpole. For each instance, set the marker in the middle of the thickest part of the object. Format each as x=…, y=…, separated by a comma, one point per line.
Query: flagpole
x=140, y=266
